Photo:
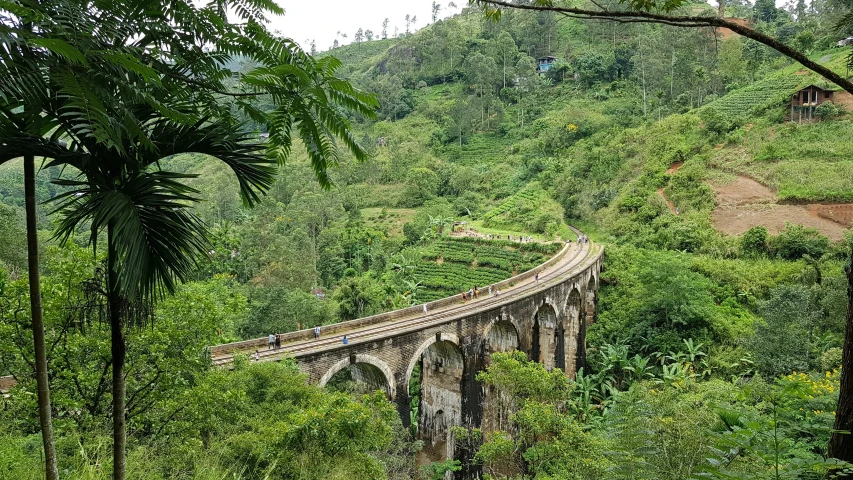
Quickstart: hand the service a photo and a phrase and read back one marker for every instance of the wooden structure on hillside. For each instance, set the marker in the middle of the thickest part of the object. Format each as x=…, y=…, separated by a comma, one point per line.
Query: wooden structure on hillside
x=543, y=64
x=459, y=226
x=806, y=99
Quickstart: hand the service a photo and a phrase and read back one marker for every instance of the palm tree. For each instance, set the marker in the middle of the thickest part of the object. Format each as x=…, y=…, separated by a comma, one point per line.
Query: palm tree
x=13, y=120
x=42, y=60
x=153, y=238
x=37, y=322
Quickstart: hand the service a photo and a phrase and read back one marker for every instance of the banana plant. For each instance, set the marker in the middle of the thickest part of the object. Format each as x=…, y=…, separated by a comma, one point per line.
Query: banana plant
x=640, y=368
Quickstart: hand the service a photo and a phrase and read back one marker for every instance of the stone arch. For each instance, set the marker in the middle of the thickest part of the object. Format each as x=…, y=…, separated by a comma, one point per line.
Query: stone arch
x=544, y=326
x=378, y=366
x=574, y=309
x=591, y=299
x=444, y=337
x=440, y=396
x=593, y=278
x=500, y=336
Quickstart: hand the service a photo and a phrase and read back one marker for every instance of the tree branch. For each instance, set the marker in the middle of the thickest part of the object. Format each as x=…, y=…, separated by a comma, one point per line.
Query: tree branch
x=686, y=21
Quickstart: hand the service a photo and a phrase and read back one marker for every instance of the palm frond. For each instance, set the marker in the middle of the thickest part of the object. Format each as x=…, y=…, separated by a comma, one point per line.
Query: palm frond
x=157, y=239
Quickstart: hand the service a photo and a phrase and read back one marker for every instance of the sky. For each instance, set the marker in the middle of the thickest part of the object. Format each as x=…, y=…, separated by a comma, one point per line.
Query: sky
x=320, y=20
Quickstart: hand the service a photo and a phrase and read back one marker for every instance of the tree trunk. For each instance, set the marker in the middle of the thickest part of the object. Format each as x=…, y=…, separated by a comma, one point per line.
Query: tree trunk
x=671, y=75
x=643, y=70
x=118, y=354
x=45, y=419
x=841, y=444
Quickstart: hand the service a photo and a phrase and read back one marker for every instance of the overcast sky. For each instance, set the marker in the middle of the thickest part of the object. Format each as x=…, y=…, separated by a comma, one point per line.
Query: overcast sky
x=320, y=20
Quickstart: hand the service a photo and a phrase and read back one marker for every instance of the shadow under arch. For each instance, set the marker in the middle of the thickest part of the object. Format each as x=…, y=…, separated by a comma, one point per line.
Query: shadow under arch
x=572, y=330
x=365, y=369
x=591, y=299
x=439, y=405
x=416, y=358
x=501, y=336
x=544, y=327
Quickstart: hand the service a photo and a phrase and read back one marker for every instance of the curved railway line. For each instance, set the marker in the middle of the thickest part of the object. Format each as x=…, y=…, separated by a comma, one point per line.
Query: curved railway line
x=573, y=257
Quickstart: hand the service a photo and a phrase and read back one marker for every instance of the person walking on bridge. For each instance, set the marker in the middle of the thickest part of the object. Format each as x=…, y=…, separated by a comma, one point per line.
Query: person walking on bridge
x=271, y=342
x=316, y=332
x=345, y=340
x=277, y=341
x=537, y=277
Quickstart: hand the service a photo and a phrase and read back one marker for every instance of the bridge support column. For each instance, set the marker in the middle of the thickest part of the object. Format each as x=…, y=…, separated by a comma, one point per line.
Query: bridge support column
x=403, y=404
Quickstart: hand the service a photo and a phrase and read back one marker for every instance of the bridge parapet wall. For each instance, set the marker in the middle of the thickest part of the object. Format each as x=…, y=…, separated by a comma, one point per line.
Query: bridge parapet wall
x=342, y=327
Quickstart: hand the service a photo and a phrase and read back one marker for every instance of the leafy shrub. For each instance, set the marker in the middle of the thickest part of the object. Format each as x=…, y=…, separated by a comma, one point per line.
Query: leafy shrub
x=796, y=241
x=826, y=110
x=592, y=67
x=830, y=359
x=655, y=302
x=754, y=241
x=716, y=122
x=421, y=185
x=781, y=343
x=632, y=202
x=687, y=233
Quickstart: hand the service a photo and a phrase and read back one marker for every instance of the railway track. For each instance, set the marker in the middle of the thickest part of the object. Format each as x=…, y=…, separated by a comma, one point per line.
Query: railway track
x=578, y=255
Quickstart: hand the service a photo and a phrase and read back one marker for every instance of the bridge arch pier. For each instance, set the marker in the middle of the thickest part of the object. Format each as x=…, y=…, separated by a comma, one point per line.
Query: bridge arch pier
x=574, y=309
x=559, y=307
x=441, y=400
x=365, y=375
x=545, y=327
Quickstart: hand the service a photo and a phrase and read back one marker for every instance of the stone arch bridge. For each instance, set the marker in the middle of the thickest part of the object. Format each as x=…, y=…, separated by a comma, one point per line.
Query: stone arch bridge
x=452, y=341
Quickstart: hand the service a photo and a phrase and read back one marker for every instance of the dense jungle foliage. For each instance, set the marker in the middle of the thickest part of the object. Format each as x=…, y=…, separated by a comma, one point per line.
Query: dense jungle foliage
x=712, y=355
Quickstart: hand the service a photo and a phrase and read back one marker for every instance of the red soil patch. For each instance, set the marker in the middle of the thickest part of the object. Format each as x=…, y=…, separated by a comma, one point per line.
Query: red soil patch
x=840, y=213
x=745, y=203
x=674, y=167
x=843, y=99
x=743, y=191
x=663, y=196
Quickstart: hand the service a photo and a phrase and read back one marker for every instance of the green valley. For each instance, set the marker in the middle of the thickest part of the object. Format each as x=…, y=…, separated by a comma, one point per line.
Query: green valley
x=192, y=210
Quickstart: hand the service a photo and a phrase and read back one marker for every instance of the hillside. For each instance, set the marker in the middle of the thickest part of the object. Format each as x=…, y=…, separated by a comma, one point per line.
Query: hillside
x=717, y=321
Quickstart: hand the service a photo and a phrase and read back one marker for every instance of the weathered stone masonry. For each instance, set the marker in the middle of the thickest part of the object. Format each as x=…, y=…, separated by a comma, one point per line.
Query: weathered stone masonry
x=549, y=325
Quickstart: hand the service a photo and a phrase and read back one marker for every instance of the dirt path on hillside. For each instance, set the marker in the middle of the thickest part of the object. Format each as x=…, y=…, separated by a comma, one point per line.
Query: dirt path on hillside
x=670, y=204
x=745, y=203
x=674, y=167
x=671, y=170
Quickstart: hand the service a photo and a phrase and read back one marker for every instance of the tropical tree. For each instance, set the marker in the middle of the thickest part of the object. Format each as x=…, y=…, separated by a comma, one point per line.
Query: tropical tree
x=649, y=11
x=181, y=87
x=10, y=122
x=506, y=50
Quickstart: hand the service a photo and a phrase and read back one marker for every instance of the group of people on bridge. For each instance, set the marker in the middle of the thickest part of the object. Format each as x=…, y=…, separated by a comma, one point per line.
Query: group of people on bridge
x=473, y=293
